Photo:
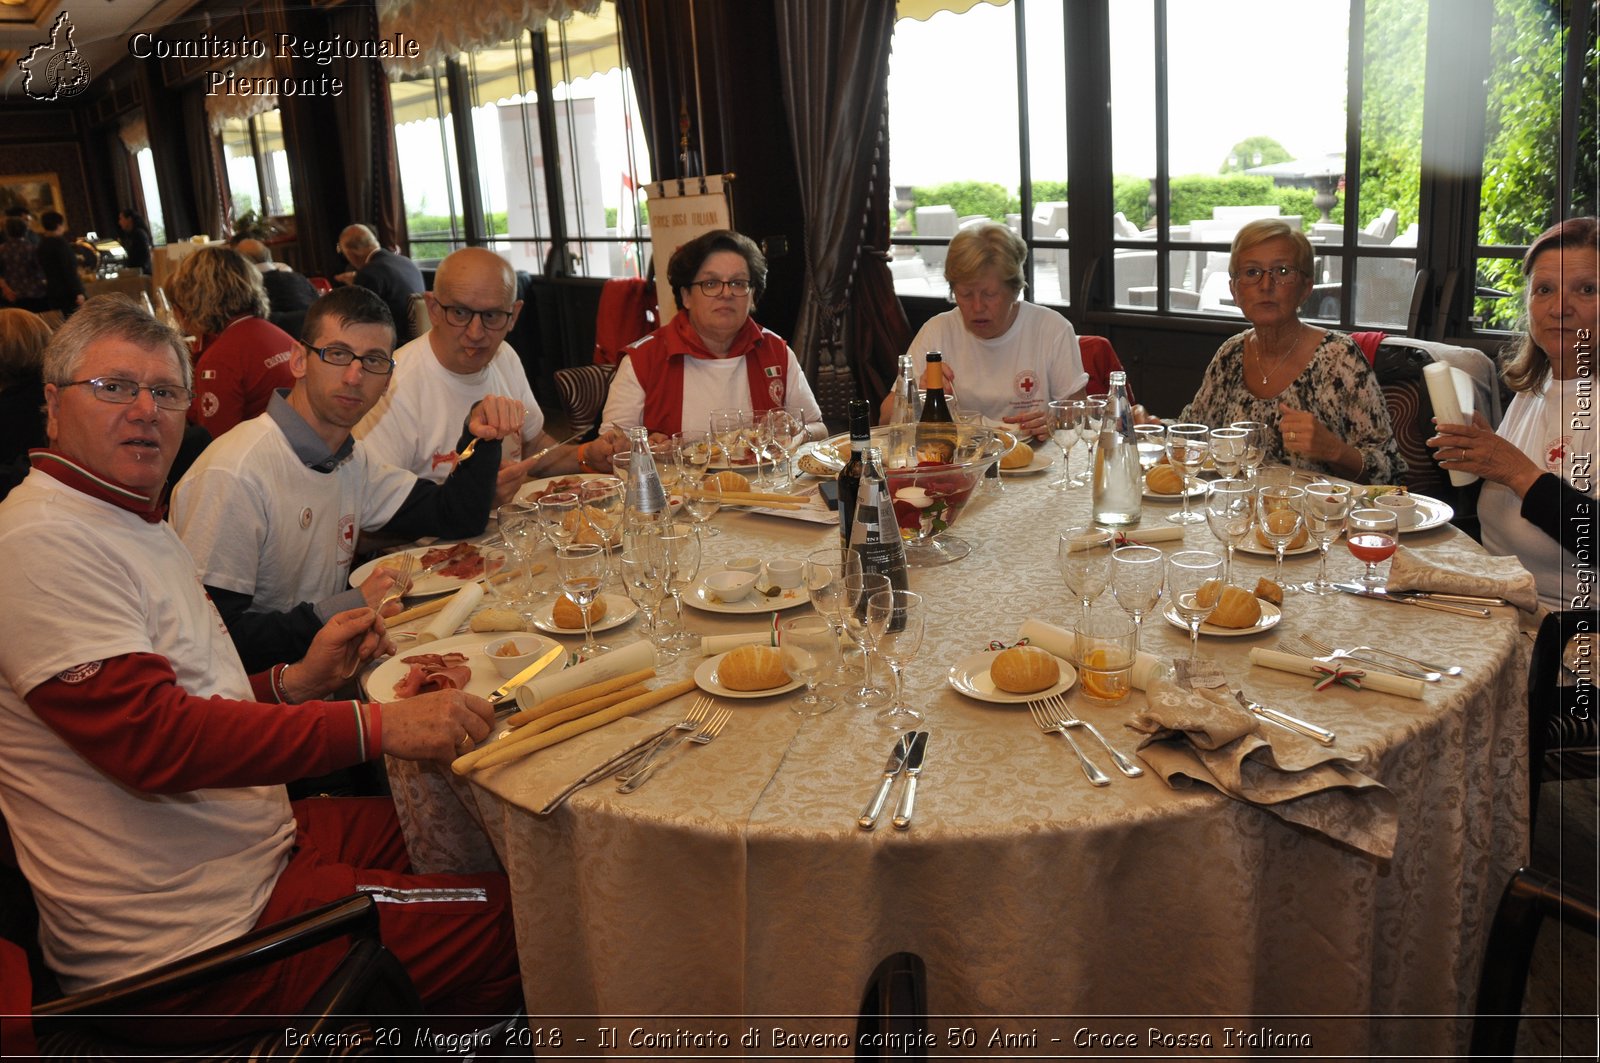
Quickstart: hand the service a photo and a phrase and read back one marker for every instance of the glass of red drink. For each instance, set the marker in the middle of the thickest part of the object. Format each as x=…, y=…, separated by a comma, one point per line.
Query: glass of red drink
x=1371, y=535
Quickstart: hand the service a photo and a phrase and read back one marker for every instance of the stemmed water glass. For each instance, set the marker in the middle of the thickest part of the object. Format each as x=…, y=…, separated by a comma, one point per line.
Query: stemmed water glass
x=1064, y=417
x=1255, y=446
x=1084, y=556
x=859, y=587
x=1279, y=518
x=582, y=570
x=725, y=426
x=784, y=430
x=1137, y=573
x=558, y=514
x=601, y=505
x=1371, y=535
x=1094, y=415
x=681, y=556
x=520, y=528
x=825, y=573
x=896, y=620
x=701, y=502
x=812, y=647
x=669, y=464
x=1187, y=446
x=1228, y=446
x=644, y=577
x=1188, y=571
x=1324, y=510
x=1152, y=442
x=1231, y=513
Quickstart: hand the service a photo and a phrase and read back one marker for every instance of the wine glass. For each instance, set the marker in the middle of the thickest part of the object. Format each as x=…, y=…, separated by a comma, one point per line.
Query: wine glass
x=644, y=578
x=681, y=554
x=812, y=647
x=725, y=426
x=1152, y=443
x=1094, y=415
x=1084, y=556
x=1279, y=519
x=1137, y=573
x=859, y=587
x=1187, y=447
x=694, y=454
x=1324, y=510
x=1227, y=450
x=519, y=526
x=1188, y=572
x=582, y=570
x=701, y=502
x=1371, y=536
x=558, y=514
x=669, y=464
x=1255, y=446
x=825, y=574
x=785, y=430
x=896, y=620
x=1231, y=513
x=600, y=502
x=1064, y=418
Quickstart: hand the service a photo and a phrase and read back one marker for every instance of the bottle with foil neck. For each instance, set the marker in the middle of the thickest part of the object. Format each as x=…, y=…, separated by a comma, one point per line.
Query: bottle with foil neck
x=644, y=500
x=904, y=411
x=1118, y=482
x=874, y=534
x=936, y=428
x=850, y=475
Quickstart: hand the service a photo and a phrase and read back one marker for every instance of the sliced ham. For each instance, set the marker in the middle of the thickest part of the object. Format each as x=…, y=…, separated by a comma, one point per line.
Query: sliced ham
x=433, y=671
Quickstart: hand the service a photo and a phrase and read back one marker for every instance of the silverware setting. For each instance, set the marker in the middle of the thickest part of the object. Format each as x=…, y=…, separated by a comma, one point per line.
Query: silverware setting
x=1042, y=713
x=1284, y=720
x=1355, y=651
x=1380, y=594
x=703, y=737
x=908, y=796
x=1064, y=711
x=891, y=771
x=672, y=736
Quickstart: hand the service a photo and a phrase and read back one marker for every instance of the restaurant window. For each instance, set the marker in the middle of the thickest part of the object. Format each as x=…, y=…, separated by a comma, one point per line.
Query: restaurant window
x=145, y=161
x=257, y=164
x=430, y=183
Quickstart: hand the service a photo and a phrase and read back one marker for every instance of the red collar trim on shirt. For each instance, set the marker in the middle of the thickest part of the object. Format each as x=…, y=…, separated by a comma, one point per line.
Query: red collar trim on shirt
x=744, y=341
x=53, y=463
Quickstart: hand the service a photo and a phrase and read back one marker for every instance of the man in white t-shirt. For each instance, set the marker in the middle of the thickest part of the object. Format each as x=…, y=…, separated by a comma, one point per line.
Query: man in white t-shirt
x=463, y=358
x=271, y=510
x=143, y=767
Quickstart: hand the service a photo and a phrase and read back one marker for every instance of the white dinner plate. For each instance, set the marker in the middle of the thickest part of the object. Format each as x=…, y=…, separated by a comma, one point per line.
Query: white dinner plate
x=755, y=602
x=970, y=675
x=1042, y=460
x=485, y=678
x=1432, y=512
x=705, y=677
x=1199, y=490
x=529, y=491
x=1253, y=546
x=433, y=583
x=1270, y=615
x=619, y=610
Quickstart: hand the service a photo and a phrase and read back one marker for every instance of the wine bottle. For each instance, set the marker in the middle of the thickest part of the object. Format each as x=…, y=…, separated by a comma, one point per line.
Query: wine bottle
x=1118, y=485
x=850, y=475
x=644, y=499
x=904, y=411
x=936, y=428
x=874, y=534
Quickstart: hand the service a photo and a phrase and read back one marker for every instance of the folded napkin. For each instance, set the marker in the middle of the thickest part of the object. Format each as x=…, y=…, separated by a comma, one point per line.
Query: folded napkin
x=1144, y=535
x=633, y=658
x=1196, y=731
x=453, y=615
x=1370, y=678
x=1060, y=641
x=543, y=781
x=711, y=645
x=1451, y=570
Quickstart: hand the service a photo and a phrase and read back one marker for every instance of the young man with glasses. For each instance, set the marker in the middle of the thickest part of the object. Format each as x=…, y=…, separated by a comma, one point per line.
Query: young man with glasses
x=271, y=511
x=461, y=360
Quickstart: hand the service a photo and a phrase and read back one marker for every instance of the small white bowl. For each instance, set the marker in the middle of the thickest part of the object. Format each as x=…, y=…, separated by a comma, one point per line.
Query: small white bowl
x=527, y=647
x=751, y=565
x=730, y=585
x=786, y=572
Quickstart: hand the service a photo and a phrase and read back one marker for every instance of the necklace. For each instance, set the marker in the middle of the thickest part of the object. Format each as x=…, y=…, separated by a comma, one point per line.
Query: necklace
x=1261, y=356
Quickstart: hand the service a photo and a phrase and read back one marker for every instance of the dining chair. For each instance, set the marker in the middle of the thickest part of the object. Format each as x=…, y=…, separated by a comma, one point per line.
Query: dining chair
x=895, y=1001
x=1563, y=740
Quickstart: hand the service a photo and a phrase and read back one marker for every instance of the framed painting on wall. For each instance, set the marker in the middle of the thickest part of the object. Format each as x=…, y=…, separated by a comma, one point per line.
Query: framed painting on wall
x=38, y=192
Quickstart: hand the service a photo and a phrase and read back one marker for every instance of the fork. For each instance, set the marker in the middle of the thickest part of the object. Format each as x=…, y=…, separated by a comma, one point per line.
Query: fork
x=669, y=738
x=1356, y=655
x=1041, y=716
x=1443, y=669
x=404, y=572
x=708, y=730
x=1064, y=709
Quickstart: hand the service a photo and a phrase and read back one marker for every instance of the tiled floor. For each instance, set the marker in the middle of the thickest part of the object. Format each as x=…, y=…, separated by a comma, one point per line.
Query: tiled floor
x=1561, y=1011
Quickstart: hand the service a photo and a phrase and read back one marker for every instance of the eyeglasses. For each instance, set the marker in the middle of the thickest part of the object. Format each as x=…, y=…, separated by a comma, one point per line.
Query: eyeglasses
x=1253, y=275
x=376, y=364
x=713, y=287
x=126, y=392
x=461, y=316
x=966, y=295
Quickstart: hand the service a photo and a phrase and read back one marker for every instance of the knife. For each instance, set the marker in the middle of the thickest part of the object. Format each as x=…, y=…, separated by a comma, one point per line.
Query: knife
x=1287, y=722
x=1383, y=595
x=510, y=686
x=897, y=760
x=908, y=796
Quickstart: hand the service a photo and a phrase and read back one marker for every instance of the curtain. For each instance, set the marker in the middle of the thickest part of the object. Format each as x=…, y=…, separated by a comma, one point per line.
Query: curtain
x=206, y=168
x=445, y=30
x=834, y=64
x=362, y=116
x=879, y=331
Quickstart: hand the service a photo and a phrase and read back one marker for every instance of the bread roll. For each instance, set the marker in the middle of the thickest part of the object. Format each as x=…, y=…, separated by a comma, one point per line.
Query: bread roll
x=1237, y=608
x=1269, y=591
x=498, y=618
x=1301, y=537
x=1164, y=480
x=1024, y=670
x=1020, y=456
x=1208, y=592
x=730, y=480
x=566, y=614
x=753, y=668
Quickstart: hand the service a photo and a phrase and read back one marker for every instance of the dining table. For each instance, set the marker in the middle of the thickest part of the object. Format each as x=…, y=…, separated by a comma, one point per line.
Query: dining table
x=734, y=905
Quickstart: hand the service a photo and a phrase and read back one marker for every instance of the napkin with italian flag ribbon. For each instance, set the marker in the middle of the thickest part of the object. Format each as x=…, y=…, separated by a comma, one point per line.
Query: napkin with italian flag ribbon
x=1196, y=731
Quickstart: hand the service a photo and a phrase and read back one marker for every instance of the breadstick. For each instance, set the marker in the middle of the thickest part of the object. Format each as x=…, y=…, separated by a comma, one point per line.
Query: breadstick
x=573, y=697
x=545, y=739
x=429, y=608
x=572, y=712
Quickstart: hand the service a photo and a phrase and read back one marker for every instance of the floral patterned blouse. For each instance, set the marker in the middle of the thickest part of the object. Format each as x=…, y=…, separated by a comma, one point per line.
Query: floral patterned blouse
x=1338, y=388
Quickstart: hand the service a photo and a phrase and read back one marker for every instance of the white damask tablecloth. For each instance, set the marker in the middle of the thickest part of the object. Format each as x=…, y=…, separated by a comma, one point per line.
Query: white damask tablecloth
x=737, y=883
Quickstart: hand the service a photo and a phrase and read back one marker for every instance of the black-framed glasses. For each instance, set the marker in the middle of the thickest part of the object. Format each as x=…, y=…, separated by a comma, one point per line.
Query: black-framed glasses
x=125, y=392
x=461, y=317
x=376, y=364
x=713, y=287
x=1253, y=275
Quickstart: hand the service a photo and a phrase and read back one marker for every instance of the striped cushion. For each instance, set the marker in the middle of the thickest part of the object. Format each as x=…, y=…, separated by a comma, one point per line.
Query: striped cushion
x=583, y=391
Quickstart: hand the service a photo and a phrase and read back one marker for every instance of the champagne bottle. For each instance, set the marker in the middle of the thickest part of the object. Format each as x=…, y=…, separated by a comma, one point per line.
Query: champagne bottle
x=1118, y=485
x=644, y=499
x=904, y=411
x=874, y=534
x=936, y=428
x=850, y=475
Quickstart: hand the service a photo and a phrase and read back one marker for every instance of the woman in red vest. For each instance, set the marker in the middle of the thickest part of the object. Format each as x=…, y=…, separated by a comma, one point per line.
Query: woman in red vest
x=710, y=356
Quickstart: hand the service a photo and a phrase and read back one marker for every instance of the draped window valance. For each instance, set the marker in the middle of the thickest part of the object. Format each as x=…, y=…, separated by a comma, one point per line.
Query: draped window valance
x=442, y=30
x=134, y=134
x=226, y=105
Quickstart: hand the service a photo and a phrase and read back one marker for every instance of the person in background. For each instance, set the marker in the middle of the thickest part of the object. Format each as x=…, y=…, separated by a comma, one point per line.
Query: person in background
x=461, y=360
x=1538, y=467
x=136, y=240
x=271, y=511
x=1310, y=386
x=287, y=289
x=243, y=358
x=22, y=282
x=143, y=763
x=394, y=277
x=23, y=336
x=1004, y=358
x=63, y=288
x=712, y=355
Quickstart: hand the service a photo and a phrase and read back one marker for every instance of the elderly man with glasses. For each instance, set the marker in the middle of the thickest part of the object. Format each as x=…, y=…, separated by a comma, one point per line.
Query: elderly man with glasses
x=271, y=511
x=463, y=359
x=393, y=276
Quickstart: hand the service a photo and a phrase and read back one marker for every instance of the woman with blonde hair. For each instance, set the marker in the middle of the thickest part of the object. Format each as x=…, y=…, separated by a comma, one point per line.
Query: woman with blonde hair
x=242, y=357
x=23, y=336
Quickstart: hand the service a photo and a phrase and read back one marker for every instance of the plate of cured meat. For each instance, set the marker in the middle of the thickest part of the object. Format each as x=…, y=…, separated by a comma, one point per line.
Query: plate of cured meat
x=459, y=662
x=442, y=568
